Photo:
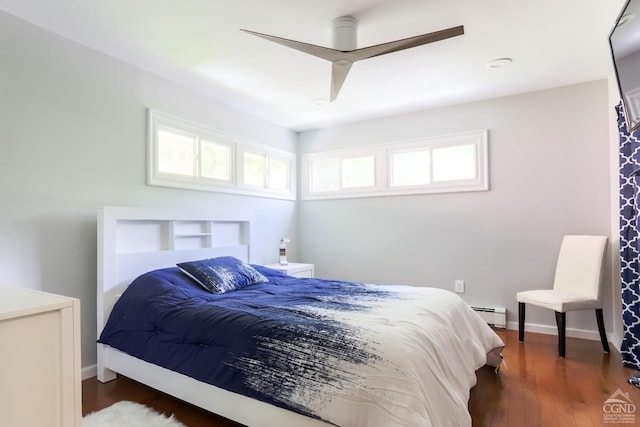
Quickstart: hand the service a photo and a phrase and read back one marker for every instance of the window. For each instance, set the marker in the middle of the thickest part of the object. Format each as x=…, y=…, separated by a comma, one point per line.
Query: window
x=442, y=164
x=335, y=174
x=176, y=153
x=410, y=167
x=325, y=175
x=358, y=172
x=215, y=160
x=279, y=177
x=454, y=163
x=186, y=155
x=268, y=171
x=182, y=156
x=255, y=169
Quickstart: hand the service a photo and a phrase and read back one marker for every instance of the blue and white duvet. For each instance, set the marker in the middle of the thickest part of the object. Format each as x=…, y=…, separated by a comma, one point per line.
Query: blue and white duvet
x=350, y=354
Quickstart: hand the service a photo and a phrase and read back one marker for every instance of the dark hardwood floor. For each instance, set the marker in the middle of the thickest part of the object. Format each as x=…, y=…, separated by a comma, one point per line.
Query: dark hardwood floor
x=534, y=388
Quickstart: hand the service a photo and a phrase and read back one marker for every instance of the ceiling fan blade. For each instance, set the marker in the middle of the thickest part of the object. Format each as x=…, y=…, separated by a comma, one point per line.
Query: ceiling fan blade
x=312, y=49
x=339, y=71
x=381, y=49
x=342, y=60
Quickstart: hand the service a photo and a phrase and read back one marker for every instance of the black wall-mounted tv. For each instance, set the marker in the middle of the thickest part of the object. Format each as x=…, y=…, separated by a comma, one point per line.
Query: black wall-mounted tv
x=624, y=40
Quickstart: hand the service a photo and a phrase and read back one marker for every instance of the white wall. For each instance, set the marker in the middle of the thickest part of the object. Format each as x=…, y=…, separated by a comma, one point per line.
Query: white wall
x=549, y=176
x=72, y=138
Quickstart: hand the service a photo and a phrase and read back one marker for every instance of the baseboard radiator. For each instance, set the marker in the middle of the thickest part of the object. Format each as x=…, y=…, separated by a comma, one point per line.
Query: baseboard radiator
x=494, y=316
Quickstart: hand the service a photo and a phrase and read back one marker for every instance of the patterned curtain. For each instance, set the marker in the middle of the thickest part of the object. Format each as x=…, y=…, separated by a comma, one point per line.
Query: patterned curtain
x=629, y=240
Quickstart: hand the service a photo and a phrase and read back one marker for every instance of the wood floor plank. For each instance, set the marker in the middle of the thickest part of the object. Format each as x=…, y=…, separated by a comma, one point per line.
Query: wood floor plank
x=534, y=388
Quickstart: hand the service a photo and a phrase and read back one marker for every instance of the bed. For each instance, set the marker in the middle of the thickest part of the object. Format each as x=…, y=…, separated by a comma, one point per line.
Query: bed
x=282, y=351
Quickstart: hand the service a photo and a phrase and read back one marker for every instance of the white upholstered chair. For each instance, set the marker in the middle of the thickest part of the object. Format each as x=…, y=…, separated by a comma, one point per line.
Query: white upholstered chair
x=576, y=286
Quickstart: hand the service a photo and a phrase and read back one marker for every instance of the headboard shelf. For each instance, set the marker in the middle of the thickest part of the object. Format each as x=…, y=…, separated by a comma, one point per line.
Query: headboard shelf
x=134, y=236
x=133, y=241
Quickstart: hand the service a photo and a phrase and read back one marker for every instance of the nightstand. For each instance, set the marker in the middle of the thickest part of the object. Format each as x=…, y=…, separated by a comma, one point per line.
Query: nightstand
x=294, y=269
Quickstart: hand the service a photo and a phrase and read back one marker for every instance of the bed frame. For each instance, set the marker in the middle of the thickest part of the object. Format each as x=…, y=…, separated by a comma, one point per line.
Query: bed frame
x=132, y=241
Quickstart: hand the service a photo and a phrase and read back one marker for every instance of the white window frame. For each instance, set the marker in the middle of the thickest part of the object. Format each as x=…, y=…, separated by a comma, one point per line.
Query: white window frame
x=383, y=156
x=269, y=153
x=159, y=120
x=341, y=155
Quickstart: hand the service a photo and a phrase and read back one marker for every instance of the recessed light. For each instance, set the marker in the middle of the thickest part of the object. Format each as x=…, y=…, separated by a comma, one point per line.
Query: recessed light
x=499, y=63
x=319, y=101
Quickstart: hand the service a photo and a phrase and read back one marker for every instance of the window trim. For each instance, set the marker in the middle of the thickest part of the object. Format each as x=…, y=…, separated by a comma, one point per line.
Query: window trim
x=269, y=153
x=158, y=120
x=383, y=158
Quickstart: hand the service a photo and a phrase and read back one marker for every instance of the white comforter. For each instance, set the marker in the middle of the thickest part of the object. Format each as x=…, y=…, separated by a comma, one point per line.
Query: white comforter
x=429, y=344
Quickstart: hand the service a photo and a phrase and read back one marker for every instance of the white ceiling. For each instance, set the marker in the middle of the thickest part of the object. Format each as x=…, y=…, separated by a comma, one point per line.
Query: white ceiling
x=198, y=43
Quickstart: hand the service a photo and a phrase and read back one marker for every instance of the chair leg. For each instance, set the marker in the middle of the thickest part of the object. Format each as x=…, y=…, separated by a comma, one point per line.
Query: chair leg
x=561, y=322
x=521, y=312
x=603, y=334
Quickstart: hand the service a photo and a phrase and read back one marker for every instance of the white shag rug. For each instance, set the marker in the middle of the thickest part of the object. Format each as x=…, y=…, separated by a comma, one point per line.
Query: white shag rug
x=129, y=414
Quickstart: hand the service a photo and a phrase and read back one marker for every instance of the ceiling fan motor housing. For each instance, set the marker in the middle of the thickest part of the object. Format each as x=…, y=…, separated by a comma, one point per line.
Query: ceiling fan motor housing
x=345, y=33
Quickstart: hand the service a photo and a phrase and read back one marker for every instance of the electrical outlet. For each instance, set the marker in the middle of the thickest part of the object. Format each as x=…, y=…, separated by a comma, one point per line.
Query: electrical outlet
x=459, y=286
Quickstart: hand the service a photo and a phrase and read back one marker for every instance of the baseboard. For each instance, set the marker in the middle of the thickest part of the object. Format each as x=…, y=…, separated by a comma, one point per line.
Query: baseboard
x=616, y=340
x=89, y=372
x=553, y=330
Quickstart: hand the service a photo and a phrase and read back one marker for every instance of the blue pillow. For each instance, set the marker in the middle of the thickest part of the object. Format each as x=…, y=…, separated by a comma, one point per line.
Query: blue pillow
x=222, y=274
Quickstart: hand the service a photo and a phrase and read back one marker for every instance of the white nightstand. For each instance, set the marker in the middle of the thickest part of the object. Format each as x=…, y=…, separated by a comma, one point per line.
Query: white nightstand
x=294, y=269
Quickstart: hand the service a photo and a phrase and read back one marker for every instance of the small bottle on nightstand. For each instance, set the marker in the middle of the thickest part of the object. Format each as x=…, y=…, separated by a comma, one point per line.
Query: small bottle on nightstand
x=283, y=251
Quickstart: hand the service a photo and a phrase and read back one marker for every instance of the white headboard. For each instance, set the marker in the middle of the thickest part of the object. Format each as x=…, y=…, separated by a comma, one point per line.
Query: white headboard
x=133, y=241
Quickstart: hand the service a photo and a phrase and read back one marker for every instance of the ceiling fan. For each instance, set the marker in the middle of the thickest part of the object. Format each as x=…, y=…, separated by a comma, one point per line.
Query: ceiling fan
x=345, y=51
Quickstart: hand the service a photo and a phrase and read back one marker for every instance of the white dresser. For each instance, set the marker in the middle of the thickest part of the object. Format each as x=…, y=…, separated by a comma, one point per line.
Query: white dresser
x=294, y=269
x=40, y=378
